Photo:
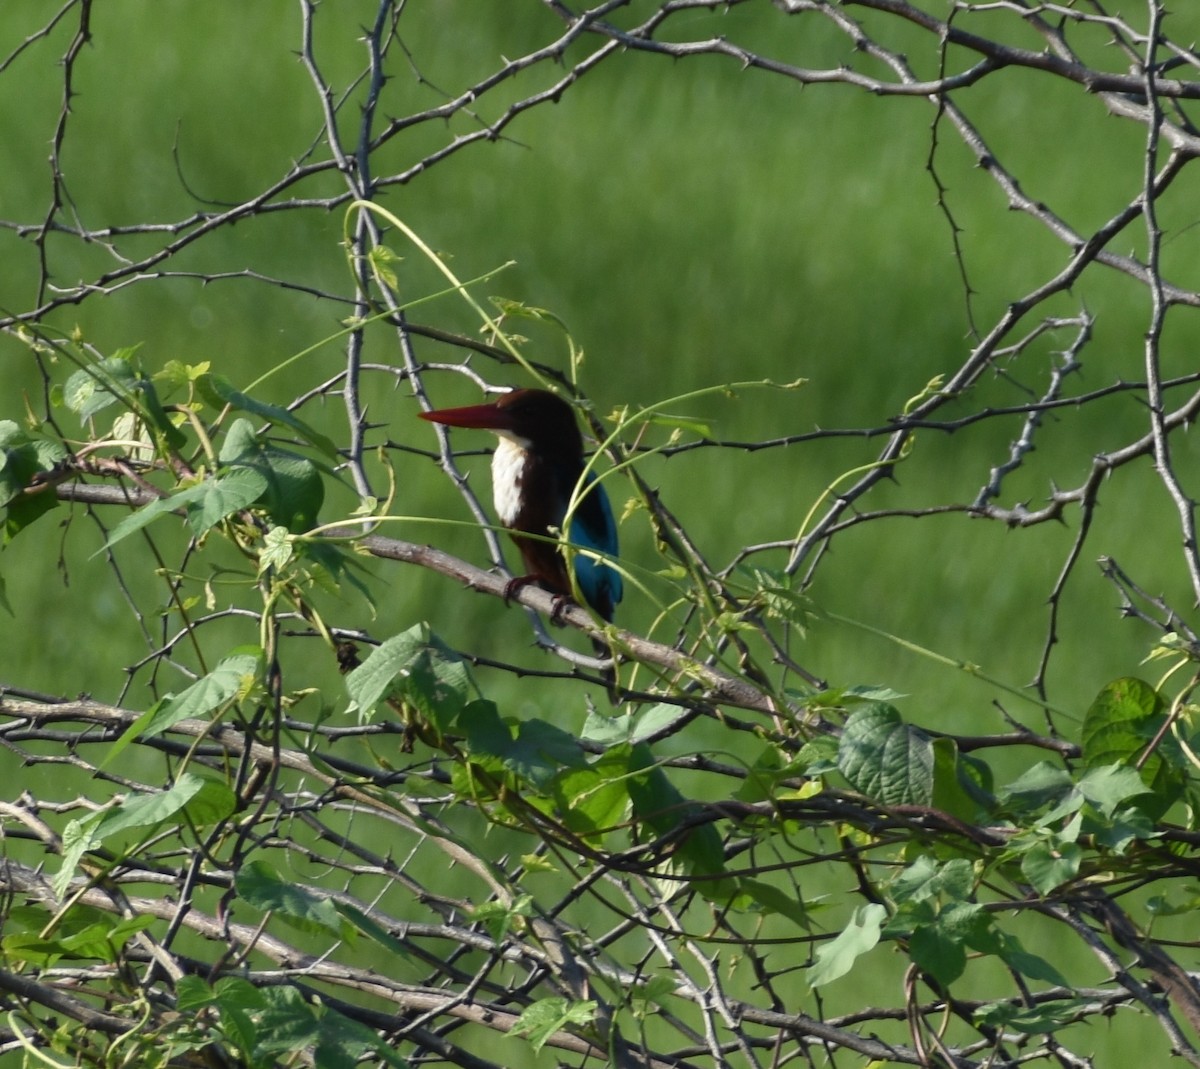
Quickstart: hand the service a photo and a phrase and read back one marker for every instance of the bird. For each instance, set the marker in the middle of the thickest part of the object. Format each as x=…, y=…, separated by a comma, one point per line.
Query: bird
x=536, y=469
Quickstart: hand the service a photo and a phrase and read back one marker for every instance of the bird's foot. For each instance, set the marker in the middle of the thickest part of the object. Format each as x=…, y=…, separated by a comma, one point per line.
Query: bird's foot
x=516, y=584
x=561, y=603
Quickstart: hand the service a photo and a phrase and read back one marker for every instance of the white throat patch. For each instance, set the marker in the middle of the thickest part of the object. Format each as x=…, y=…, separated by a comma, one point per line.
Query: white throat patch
x=508, y=467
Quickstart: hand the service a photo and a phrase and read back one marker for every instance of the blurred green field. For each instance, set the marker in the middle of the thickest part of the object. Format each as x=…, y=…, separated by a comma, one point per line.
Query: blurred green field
x=693, y=224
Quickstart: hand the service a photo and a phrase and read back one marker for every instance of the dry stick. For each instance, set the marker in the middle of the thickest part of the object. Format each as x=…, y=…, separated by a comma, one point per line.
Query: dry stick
x=1185, y=507
x=271, y=198
x=54, y=999
x=404, y=997
x=719, y=687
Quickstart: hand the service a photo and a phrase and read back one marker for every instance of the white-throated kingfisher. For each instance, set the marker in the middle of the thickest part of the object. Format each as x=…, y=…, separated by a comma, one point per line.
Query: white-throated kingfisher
x=536, y=469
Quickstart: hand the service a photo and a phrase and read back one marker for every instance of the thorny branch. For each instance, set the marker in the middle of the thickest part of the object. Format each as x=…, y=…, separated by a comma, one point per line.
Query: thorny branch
x=318, y=793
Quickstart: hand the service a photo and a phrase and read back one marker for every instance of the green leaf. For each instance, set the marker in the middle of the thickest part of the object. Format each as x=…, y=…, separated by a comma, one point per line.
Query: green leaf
x=138, y=810
x=287, y=1023
x=607, y=730
x=1016, y=957
x=94, y=388
x=483, y=730
x=382, y=261
x=764, y=777
x=278, y=550
x=540, y=751
x=818, y=756
x=439, y=685
x=773, y=589
x=771, y=899
x=214, y=802
x=343, y=1043
x=925, y=879
x=23, y=457
x=192, y=993
x=549, y=1015
x=223, y=495
x=658, y=803
x=417, y=666
x=1106, y=787
x=182, y=500
x=241, y=439
x=232, y=677
x=1037, y=787
x=175, y=374
x=1090, y=804
x=76, y=918
x=237, y=1002
x=592, y=799
x=961, y=785
x=885, y=758
x=837, y=957
x=651, y=994
x=219, y=392
x=681, y=423
x=293, y=490
x=511, y=308
x=631, y=727
x=23, y=511
x=335, y=566
x=1048, y=1017
x=260, y=885
x=500, y=918
x=851, y=697
x=1047, y=865
x=370, y=927
x=943, y=959
x=1121, y=723
x=149, y=809
x=1128, y=825
x=157, y=416
x=237, y=991
x=103, y=940
x=940, y=948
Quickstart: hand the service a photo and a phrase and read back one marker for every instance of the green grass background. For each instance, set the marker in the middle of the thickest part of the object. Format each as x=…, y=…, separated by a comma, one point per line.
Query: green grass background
x=693, y=223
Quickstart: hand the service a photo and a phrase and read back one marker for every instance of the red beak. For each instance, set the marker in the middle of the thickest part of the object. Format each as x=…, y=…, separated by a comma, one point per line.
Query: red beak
x=488, y=417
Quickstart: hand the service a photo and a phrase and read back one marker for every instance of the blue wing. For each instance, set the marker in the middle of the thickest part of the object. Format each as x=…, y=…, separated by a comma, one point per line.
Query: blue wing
x=593, y=527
